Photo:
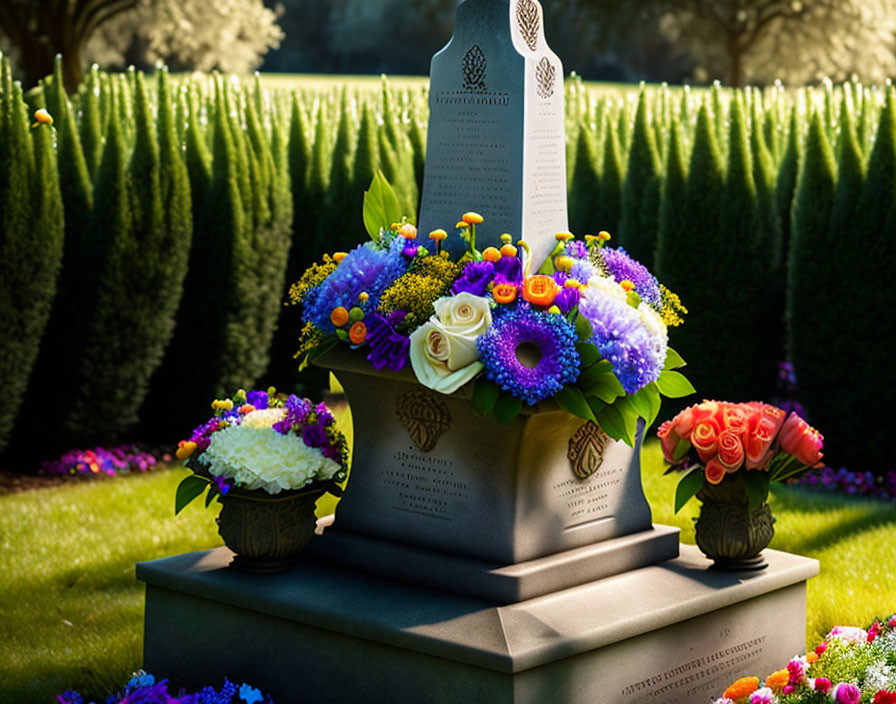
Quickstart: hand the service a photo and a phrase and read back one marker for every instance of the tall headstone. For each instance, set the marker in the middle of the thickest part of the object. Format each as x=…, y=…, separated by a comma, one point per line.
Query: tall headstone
x=496, y=141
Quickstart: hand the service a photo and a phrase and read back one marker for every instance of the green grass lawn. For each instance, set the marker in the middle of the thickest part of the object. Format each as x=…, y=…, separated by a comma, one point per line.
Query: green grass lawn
x=71, y=610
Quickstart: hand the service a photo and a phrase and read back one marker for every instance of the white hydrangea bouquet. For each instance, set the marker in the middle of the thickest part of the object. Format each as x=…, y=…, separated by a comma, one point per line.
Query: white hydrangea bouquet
x=258, y=442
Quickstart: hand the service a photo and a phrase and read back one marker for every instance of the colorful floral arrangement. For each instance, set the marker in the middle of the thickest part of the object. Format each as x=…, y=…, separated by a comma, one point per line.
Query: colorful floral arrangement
x=852, y=666
x=143, y=689
x=101, y=461
x=845, y=481
x=715, y=439
x=588, y=329
x=257, y=441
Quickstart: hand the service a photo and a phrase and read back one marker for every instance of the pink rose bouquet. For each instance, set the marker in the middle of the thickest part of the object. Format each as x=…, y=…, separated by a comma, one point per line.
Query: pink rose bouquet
x=715, y=439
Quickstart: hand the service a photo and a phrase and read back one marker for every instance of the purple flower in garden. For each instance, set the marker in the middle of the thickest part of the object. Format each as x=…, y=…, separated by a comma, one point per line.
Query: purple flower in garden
x=315, y=436
x=622, y=267
x=567, y=299
x=388, y=348
x=475, y=278
x=258, y=399
x=577, y=249
x=70, y=697
x=509, y=270
x=324, y=417
x=529, y=353
x=582, y=270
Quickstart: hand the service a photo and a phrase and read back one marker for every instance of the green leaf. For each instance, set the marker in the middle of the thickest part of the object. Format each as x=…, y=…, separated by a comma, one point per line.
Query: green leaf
x=606, y=387
x=653, y=395
x=583, y=328
x=629, y=418
x=688, y=487
x=756, y=484
x=591, y=375
x=190, y=488
x=611, y=421
x=209, y=497
x=485, y=394
x=640, y=401
x=571, y=399
x=596, y=405
x=681, y=449
x=507, y=407
x=381, y=206
x=674, y=385
x=589, y=353
x=673, y=360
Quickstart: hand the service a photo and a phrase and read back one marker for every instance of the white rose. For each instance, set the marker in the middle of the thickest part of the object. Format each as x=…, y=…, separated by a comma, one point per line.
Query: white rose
x=443, y=351
x=264, y=418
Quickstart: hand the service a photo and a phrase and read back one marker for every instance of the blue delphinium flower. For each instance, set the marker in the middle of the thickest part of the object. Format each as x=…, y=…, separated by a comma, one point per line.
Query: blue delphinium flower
x=636, y=353
x=250, y=695
x=529, y=353
x=366, y=269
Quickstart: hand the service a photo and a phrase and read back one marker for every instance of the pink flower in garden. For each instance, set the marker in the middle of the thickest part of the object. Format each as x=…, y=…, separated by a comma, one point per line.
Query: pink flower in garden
x=846, y=693
x=821, y=684
x=892, y=621
x=883, y=697
x=849, y=634
x=801, y=440
x=763, y=695
x=873, y=632
x=819, y=649
x=789, y=688
x=797, y=672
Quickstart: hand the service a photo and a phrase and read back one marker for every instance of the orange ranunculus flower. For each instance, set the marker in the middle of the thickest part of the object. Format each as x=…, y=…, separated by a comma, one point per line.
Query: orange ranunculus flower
x=504, y=293
x=491, y=254
x=357, y=333
x=339, y=316
x=714, y=471
x=742, y=689
x=731, y=451
x=705, y=439
x=777, y=680
x=811, y=657
x=540, y=290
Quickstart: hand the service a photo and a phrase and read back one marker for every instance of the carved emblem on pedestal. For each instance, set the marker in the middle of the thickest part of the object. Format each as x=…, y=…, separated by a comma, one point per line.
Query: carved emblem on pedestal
x=586, y=449
x=424, y=416
x=529, y=24
x=546, y=78
x=474, y=66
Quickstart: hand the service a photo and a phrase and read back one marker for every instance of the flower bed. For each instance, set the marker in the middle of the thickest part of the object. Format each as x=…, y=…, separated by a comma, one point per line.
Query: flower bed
x=852, y=666
x=143, y=689
x=102, y=461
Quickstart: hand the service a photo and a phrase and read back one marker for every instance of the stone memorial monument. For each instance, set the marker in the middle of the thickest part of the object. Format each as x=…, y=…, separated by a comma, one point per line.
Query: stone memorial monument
x=471, y=562
x=496, y=141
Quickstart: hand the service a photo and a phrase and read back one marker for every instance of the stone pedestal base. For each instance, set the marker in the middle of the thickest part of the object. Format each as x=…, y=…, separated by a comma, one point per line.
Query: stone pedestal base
x=674, y=633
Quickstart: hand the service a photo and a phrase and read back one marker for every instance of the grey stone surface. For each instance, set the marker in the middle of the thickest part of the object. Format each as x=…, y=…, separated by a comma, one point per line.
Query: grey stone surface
x=672, y=633
x=496, y=140
x=496, y=582
x=500, y=494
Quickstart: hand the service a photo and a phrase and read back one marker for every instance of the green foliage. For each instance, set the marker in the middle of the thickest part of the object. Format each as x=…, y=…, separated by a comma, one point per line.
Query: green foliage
x=608, y=208
x=673, y=207
x=31, y=242
x=584, y=191
x=788, y=172
x=641, y=192
x=816, y=292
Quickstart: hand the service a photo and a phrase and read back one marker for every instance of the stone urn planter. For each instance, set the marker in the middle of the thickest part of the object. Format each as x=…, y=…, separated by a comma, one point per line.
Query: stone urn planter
x=429, y=470
x=728, y=531
x=268, y=531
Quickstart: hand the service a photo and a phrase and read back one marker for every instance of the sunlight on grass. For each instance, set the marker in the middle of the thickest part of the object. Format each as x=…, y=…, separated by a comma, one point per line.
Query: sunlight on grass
x=853, y=539
x=71, y=611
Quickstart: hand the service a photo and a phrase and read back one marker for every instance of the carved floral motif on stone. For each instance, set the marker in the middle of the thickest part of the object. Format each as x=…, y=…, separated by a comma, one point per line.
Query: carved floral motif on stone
x=424, y=416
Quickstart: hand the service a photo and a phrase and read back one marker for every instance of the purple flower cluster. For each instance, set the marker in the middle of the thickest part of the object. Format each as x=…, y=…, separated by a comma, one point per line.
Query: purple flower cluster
x=529, y=353
x=111, y=461
x=143, y=689
x=475, y=278
x=388, y=347
x=622, y=267
x=843, y=481
x=315, y=425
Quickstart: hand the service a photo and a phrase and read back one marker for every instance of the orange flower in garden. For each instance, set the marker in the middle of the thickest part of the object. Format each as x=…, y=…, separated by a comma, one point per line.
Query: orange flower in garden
x=185, y=449
x=811, y=657
x=358, y=333
x=409, y=232
x=540, y=290
x=508, y=250
x=339, y=256
x=504, y=293
x=246, y=409
x=491, y=254
x=42, y=117
x=472, y=218
x=742, y=689
x=438, y=235
x=339, y=316
x=777, y=680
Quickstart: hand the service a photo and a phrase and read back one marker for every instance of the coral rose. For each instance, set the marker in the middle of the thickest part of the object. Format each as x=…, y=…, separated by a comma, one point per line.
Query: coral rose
x=705, y=439
x=731, y=450
x=801, y=440
x=714, y=471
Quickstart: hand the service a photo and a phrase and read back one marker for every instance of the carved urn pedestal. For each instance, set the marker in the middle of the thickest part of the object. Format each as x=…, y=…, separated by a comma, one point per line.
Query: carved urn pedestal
x=440, y=494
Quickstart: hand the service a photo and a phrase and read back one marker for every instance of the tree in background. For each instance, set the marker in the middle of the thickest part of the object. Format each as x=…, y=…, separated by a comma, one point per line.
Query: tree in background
x=230, y=35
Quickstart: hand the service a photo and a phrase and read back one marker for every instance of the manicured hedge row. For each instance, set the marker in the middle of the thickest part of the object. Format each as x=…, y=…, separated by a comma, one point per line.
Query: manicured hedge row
x=190, y=203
